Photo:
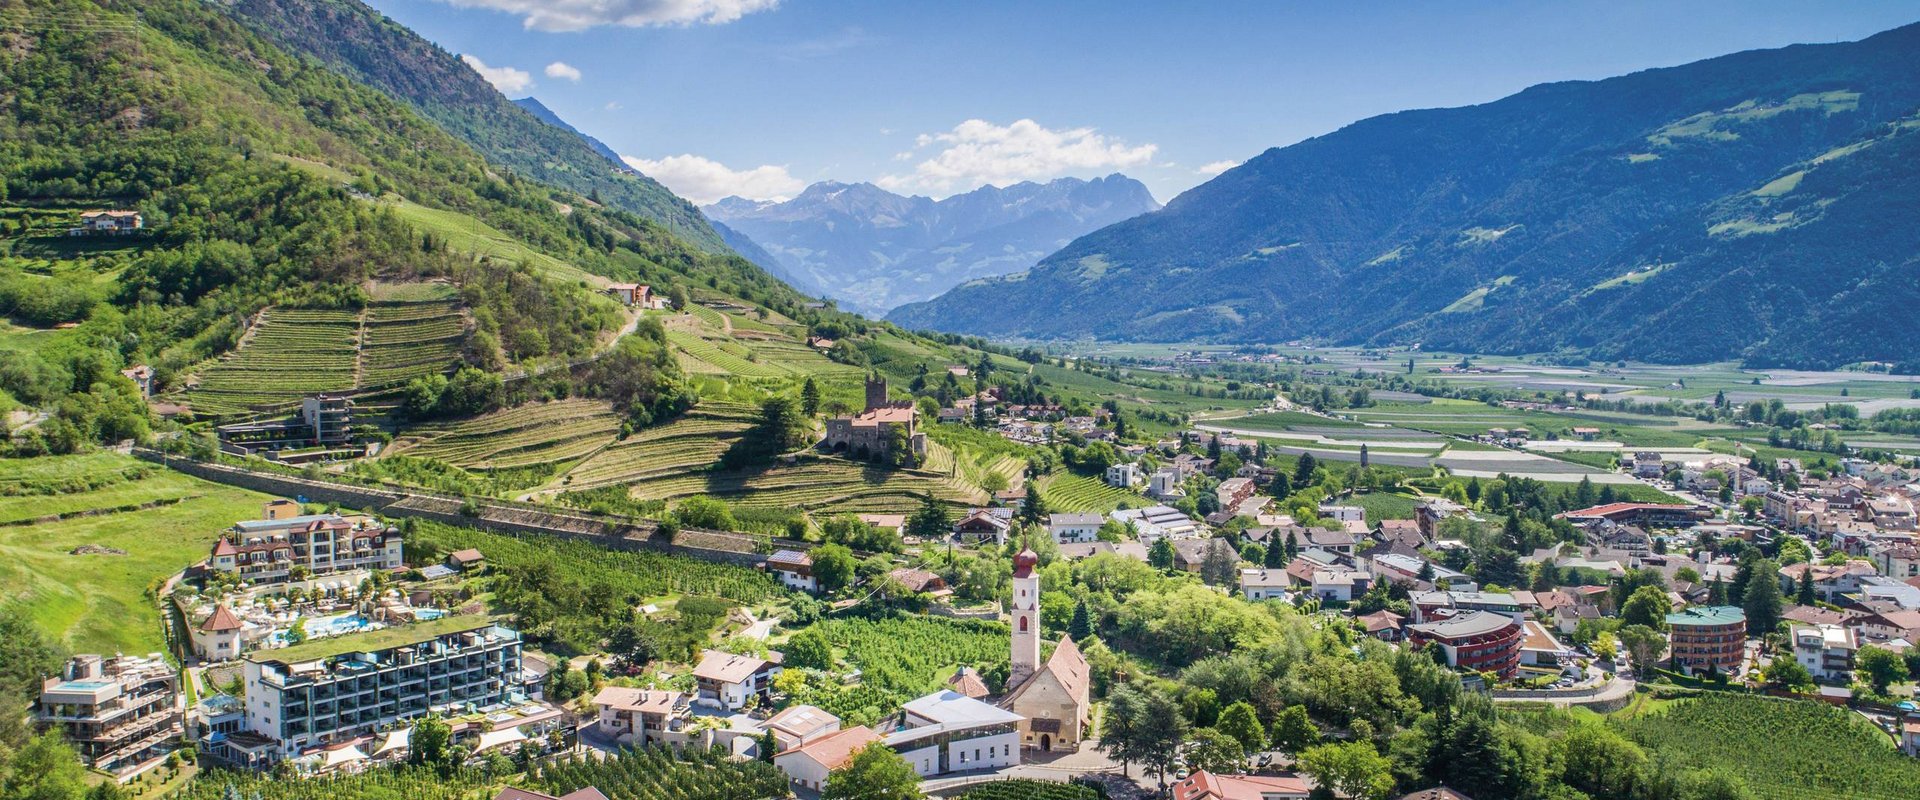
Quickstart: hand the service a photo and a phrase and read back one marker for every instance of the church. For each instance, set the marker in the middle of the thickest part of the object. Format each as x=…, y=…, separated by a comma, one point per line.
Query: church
x=1053, y=698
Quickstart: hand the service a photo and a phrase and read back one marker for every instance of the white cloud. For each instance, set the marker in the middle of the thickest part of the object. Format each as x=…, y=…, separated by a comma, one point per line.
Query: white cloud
x=563, y=71
x=978, y=152
x=612, y=105
x=579, y=15
x=704, y=180
x=507, y=79
x=1214, y=168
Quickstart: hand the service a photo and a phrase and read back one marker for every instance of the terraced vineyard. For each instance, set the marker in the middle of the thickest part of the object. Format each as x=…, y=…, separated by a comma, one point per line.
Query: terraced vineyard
x=1066, y=491
x=544, y=433
x=694, y=441
x=410, y=340
x=828, y=485
x=291, y=353
x=722, y=357
x=294, y=352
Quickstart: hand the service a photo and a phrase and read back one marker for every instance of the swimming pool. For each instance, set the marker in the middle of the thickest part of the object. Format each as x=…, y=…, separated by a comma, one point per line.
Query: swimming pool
x=428, y=613
x=329, y=626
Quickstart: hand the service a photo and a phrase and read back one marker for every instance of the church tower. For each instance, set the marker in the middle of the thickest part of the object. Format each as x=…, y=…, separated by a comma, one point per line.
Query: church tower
x=1026, y=618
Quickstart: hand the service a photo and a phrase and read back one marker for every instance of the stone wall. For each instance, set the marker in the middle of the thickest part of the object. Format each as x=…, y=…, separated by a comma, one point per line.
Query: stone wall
x=512, y=519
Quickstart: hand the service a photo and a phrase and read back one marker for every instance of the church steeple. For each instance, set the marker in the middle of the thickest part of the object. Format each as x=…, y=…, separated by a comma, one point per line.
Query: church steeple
x=1025, y=611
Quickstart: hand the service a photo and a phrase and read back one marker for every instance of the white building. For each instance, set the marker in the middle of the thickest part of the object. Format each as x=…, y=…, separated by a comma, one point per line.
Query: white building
x=1339, y=585
x=218, y=637
x=808, y=764
x=1164, y=484
x=950, y=732
x=794, y=569
x=729, y=680
x=1264, y=584
x=267, y=550
x=1155, y=522
x=1124, y=476
x=1343, y=513
x=1825, y=650
x=1074, y=527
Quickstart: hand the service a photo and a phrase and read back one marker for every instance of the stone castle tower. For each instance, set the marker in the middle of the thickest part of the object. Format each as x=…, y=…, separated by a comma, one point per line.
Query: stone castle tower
x=876, y=392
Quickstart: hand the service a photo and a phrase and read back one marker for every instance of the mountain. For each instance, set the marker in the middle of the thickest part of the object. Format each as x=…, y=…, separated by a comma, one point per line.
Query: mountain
x=540, y=112
x=361, y=43
x=873, y=249
x=1753, y=206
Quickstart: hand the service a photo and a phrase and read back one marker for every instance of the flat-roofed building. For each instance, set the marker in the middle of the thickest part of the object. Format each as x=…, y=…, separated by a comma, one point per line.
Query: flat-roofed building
x=1481, y=641
x=119, y=713
x=340, y=688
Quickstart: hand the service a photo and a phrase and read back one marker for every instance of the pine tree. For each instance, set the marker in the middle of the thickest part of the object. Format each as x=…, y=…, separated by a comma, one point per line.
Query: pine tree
x=1762, y=601
x=1806, y=596
x=1276, y=557
x=1303, y=470
x=1160, y=555
x=1081, y=626
x=810, y=397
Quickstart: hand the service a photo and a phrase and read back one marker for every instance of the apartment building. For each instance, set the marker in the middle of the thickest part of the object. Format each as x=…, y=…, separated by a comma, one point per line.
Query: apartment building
x=1825, y=650
x=1481, y=641
x=343, y=687
x=1707, y=637
x=120, y=713
x=643, y=716
x=268, y=550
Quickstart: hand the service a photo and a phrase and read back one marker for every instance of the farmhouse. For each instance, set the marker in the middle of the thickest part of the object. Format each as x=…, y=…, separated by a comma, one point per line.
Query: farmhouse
x=109, y=223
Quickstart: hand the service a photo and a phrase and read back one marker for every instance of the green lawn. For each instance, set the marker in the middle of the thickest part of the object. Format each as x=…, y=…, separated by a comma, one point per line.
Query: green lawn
x=98, y=603
x=1384, y=505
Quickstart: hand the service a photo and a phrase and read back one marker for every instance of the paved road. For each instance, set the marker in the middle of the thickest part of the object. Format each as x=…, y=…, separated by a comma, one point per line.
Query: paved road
x=1620, y=688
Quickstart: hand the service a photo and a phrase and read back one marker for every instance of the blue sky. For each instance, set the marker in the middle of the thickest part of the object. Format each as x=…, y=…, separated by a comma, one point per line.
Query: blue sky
x=760, y=97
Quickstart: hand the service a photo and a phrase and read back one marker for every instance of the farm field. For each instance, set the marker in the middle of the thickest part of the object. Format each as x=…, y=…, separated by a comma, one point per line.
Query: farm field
x=693, y=441
x=290, y=354
x=1067, y=491
x=818, y=484
x=293, y=353
x=540, y=433
x=410, y=340
x=1780, y=748
x=98, y=602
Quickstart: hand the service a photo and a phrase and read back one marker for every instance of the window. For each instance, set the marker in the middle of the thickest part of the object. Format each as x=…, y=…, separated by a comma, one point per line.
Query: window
x=1023, y=624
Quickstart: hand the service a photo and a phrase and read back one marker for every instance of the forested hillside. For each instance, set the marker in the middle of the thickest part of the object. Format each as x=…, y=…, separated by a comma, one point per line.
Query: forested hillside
x=348, y=36
x=267, y=181
x=1748, y=206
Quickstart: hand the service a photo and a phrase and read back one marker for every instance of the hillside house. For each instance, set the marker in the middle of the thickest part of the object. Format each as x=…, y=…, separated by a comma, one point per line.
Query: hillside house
x=1074, y=527
x=108, y=223
x=730, y=681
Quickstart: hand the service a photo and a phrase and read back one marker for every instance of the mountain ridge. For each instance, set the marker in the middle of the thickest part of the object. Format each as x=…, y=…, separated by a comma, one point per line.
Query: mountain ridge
x=1562, y=217
x=873, y=248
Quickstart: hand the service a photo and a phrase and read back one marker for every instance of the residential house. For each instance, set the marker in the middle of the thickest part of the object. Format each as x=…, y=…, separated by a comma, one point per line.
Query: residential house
x=1265, y=584
x=641, y=717
x=109, y=222
x=1648, y=465
x=1232, y=491
x=631, y=294
x=794, y=570
x=1204, y=785
x=982, y=525
x=807, y=764
x=891, y=524
x=920, y=581
x=1164, y=484
x=1383, y=625
x=731, y=680
x=1074, y=527
x=1339, y=584
x=466, y=560
x=1340, y=513
x=218, y=637
x=1826, y=651
x=797, y=725
x=1830, y=582
x=1124, y=476
x=1896, y=560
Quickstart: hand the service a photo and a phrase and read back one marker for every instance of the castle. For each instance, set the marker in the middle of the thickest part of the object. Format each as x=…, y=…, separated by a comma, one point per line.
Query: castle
x=870, y=433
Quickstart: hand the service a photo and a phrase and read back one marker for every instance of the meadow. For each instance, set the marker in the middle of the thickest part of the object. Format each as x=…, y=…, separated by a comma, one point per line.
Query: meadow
x=99, y=602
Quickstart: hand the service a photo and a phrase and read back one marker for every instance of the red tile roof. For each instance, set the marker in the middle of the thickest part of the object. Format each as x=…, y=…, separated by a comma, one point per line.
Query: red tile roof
x=221, y=620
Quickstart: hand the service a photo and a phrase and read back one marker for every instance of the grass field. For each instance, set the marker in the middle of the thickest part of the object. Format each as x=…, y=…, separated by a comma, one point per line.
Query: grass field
x=1383, y=505
x=97, y=603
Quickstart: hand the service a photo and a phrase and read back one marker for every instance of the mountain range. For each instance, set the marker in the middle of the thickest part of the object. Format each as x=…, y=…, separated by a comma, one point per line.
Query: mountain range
x=873, y=249
x=1757, y=206
x=372, y=49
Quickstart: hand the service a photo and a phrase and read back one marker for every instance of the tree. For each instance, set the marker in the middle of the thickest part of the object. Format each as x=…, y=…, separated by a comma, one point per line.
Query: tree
x=1294, y=730
x=1081, y=626
x=930, y=521
x=1162, y=730
x=1648, y=606
x=1644, y=644
x=767, y=746
x=1243, y=724
x=1213, y=751
x=832, y=566
x=810, y=397
x=46, y=768
x=1353, y=769
x=810, y=649
x=1220, y=565
x=1762, y=601
x=1880, y=666
x=1805, y=595
x=1786, y=673
x=875, y=773
x=431, y=744
x=1160, y=555
x=1600, y=762
x=1120, y=726
x=1275, y=556
x=1303, y=470
x=678, y=297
